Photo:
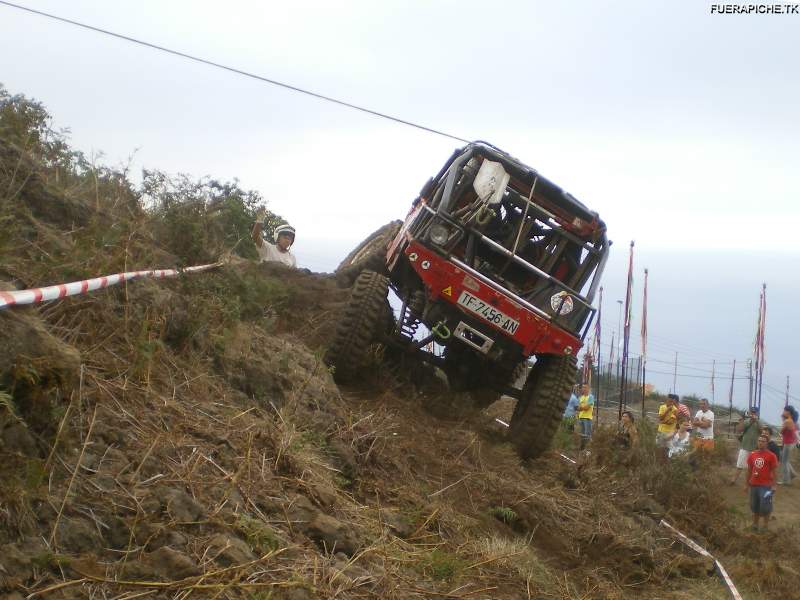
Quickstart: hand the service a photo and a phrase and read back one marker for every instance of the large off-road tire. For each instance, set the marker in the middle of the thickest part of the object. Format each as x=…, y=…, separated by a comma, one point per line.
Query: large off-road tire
x=369, y=255
x=541, y=405
x=361, y=325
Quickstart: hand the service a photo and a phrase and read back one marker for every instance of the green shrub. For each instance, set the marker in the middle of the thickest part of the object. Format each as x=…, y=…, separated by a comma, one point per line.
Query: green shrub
x=504, y=514
x=259, y=535
x=441, y=564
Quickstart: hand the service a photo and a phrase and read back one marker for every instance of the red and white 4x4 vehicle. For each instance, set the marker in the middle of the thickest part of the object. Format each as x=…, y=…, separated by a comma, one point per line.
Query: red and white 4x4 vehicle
x=501, y=266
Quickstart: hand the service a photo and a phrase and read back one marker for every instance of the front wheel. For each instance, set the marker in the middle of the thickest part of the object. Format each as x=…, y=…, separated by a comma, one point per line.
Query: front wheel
x=368, y=255
x=364, y=321
x=541, y=405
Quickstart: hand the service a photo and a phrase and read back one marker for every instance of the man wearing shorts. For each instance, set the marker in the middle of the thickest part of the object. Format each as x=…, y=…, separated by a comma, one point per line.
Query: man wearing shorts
x=748, y=428
x=761, y=467
x=704, y=425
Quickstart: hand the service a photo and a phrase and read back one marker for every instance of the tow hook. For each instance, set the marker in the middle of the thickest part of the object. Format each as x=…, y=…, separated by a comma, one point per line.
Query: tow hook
x=441, y=331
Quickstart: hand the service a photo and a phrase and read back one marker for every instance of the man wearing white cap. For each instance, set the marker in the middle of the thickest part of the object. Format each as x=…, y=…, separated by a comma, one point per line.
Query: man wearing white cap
x=279, y=251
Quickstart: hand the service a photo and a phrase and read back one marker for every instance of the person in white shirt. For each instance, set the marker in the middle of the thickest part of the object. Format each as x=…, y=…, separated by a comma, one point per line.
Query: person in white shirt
x=704, y=426
x=678, y=442
x=279, y=251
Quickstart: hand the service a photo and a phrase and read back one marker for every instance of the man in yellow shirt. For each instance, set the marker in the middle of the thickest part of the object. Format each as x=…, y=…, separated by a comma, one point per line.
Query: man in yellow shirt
x=585, y=413
x=667, y=419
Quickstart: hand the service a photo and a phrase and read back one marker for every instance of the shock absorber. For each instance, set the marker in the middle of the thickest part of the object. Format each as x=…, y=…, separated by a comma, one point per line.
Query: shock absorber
x=414, y=308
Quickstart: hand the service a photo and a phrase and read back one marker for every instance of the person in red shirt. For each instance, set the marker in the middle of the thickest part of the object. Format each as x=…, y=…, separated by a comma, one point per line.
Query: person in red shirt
x=761, y=467
x=684, y=410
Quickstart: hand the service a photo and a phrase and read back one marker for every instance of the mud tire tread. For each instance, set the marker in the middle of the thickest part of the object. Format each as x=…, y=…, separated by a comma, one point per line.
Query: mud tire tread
x=361, y=324
x=369, y=255
x=544, y=396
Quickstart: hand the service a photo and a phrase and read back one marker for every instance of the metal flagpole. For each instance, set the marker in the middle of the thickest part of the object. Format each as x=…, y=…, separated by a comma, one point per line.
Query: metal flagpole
x=758, y=348
x=763, y=348
x=675, y=375
x=597, y=332
x=730, y=395
x=787, y=391
x=644, y=341
x=627, y=332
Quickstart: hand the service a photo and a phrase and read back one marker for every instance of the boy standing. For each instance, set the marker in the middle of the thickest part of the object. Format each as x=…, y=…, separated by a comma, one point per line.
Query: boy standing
x=585, y=414
x=761, y=467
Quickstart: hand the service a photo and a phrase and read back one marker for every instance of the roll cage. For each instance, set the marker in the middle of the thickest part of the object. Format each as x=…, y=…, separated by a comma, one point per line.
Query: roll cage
x=493, y=215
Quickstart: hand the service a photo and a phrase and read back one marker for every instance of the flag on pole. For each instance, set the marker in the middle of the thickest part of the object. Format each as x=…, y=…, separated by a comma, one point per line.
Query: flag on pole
x=759, y=350
x=730, y=394
x=628, y=302
x=597, y=326
x=644, y=320
x=762, y=326
x=611, y=354
x=627, y=335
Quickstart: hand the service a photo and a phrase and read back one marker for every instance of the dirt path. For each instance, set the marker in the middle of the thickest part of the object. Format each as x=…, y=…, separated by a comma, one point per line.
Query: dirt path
x=786, y=511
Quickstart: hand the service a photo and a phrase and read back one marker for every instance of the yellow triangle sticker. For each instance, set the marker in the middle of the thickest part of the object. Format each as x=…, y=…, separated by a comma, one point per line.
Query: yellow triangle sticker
x=448, y=291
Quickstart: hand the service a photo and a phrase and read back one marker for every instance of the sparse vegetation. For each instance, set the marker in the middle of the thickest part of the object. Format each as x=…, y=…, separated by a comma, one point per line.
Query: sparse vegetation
x=208, y=453
x=504, y=514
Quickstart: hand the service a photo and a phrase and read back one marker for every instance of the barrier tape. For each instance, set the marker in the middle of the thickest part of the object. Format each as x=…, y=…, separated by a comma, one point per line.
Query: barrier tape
x=567, y=458
x=718, y=565
x=75, y=288
x=728, y=581
x=692, y=544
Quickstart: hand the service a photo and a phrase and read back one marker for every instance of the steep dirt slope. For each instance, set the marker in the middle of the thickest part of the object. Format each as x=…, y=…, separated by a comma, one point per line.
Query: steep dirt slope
x=177, y=460
x=183, y=438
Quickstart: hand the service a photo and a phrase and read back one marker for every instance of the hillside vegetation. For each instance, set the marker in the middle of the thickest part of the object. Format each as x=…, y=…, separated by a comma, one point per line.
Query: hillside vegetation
x=183, y=438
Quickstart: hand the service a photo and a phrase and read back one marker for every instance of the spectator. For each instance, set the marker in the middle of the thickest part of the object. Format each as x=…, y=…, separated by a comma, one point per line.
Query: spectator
x=628, y=436
x=748, y=429
x=585, y=414
x=704, y=422
x=789, y=436
x=684, y=411
x=571, y=410
x=679, y=441
x=667, y=419
x=771, y=445
x=761, y=467
x=279, y=251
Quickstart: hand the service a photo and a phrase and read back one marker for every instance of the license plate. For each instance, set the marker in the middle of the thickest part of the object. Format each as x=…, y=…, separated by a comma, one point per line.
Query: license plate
x=488, y=312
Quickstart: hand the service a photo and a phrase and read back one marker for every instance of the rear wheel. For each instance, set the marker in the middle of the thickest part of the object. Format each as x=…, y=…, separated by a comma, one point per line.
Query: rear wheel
x=364, y=321
x=541, y=405
x=368, y=255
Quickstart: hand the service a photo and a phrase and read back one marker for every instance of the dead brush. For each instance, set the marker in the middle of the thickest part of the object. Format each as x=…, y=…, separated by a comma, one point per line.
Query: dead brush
x=497, y=555
x=368, y=435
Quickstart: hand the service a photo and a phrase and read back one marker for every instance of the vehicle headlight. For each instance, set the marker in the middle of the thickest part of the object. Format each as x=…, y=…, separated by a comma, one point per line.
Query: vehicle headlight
x=439, y=234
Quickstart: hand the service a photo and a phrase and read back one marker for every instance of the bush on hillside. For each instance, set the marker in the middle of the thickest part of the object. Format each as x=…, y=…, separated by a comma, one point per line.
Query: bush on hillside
x=109, y=222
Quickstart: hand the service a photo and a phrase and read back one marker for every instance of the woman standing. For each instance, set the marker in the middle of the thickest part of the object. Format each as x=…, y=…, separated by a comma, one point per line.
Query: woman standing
x=627, y=436
x=789, y=436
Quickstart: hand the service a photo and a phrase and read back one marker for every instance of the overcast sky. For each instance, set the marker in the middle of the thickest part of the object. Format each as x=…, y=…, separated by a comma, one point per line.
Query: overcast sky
x=678, y=126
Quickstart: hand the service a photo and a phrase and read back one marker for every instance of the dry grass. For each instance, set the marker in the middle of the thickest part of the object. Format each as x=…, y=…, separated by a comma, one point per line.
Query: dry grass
x=205, y=422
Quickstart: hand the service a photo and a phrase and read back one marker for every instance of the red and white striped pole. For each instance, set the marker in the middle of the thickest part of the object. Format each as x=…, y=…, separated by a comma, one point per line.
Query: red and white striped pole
x=76, y=288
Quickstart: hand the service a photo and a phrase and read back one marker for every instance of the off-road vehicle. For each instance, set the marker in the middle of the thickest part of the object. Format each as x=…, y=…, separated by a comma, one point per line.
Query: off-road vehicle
x=500, y=265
